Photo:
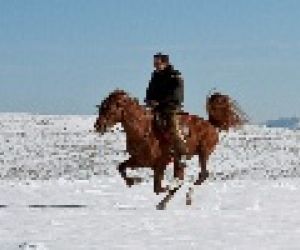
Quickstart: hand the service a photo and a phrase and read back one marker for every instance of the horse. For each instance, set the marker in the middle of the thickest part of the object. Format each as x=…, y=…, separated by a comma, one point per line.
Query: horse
x=150, y=148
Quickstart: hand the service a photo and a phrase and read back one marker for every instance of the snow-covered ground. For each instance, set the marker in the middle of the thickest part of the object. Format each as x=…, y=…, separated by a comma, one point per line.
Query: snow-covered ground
x=251, y=200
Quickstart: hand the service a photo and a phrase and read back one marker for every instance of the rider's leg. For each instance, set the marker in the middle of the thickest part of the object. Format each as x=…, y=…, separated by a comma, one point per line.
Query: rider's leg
x=177, y=136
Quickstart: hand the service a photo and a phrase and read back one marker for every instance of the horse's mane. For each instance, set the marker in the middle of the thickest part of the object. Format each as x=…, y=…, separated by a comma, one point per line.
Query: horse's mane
x=119, y=93
x=115, y=96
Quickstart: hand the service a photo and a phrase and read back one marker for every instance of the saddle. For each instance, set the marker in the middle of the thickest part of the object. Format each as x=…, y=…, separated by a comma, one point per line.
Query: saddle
x=162, y=127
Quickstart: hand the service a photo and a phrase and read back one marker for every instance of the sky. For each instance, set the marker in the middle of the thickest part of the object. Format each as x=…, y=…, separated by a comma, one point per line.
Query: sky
x=64, y=57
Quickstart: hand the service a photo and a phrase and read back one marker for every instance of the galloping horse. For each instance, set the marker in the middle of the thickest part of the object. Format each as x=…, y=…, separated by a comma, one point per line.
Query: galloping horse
x=149, y=148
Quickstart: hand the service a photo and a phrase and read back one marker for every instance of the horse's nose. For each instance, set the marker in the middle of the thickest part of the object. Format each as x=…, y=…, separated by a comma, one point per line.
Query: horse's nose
x=100, y=128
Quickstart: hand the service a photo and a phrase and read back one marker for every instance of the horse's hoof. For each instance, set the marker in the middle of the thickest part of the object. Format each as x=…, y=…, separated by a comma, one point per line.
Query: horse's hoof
x=202, y=178
x=137, y=180
x=161, y=206
x=160, y=190
x=129, y=182
x=198, y=182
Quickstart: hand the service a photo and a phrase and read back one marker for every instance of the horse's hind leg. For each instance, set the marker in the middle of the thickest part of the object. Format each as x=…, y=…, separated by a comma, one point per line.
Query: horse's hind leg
x=202, y=176
x=122, y=170
x=204, y=152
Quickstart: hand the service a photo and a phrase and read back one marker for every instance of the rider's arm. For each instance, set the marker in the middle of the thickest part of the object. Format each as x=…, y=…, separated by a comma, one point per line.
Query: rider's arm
x=150, y=94
x=179, y=91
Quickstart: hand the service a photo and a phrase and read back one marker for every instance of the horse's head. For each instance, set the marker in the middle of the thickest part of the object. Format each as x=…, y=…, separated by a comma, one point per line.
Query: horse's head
x=111, y=111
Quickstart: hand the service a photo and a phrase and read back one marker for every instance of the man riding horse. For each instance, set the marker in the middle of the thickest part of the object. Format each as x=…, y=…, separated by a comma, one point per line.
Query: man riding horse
x=164, y=96
x=149, y=144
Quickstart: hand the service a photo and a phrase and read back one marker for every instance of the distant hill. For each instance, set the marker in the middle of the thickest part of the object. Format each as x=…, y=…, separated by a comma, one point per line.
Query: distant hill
x=290, y=122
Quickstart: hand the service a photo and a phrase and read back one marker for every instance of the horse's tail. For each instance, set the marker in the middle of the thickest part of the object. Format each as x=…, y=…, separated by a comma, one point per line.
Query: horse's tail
x=223, y=112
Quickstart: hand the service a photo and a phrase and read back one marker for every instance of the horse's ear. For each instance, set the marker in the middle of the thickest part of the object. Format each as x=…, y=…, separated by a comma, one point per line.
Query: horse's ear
x=135, y=99
x=98, y=106
x=118, y=91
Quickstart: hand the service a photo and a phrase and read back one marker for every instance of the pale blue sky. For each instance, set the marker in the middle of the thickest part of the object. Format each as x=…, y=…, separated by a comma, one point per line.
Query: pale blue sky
x=63, y=57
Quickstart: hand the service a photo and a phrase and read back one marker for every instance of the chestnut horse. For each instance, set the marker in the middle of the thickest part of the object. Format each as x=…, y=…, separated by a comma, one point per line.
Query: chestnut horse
x=149, y=148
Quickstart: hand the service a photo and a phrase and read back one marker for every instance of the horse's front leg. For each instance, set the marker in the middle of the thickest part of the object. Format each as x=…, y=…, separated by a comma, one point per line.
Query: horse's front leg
x=178, y=169
x=122, y=170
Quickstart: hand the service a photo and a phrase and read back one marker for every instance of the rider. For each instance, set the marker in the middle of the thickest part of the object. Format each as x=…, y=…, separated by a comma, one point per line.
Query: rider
x=165, y=96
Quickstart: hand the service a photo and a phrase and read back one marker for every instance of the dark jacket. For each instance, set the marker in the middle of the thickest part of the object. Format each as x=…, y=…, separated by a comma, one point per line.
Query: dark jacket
x=166, y=88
